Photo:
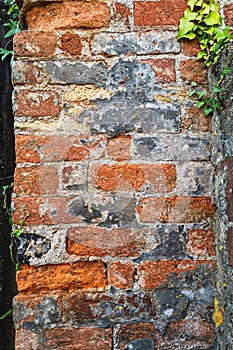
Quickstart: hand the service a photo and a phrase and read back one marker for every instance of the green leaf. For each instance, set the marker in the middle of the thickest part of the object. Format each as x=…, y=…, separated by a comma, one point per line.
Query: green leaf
x=216, y=90
x=185, y=27
x=200, y=104
x=191, y=4
x=192, y=92
x=199, y=3
x=201, y=94
x=208, y=111
x=201, y=54
x=189, y=15
x=226, y=70
x=205, y=9
x=213, y=18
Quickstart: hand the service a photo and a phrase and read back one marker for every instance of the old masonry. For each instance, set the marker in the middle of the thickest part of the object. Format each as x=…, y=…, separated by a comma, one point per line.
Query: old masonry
x=124, y=190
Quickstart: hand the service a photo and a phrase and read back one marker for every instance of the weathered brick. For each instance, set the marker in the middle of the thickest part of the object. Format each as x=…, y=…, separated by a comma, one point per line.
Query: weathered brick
x=172, y=147
x=27, y=73
x=229, y=235
x=121, y=14
x=228, y=13
x=74, y=177
x=195, y=120
x=160, y=13
x=200, y=243
x=195, y=178
x=164, y=69
x=175, y=209
x=54, y=148
x=69, y=15
x=193, y=70
x=137, y=336
x=37, y=103
x=81, y=338
x=160, y=178
x=33, y=44
x=190, y=47
x=189, y=334
x=83, y=275
x=121, y=275
x=143, y=43
x=152, y=274
x=36, y=180
x=71, y=44
x=118, y=148
x=97, y=241
x=21, y=335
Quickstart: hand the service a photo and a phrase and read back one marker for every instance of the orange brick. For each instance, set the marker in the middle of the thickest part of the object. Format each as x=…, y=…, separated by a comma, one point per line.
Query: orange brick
x=82, y=275
x=175, y=209
x=122, y=14
x=37, y=103
x=36, y=180
x=161, y=178
x=119, y=148
x=159, y=13
x=121, y=275
x=69, y=15
x=97, y=241
x=71, y=44
x=200, y=243
x=193, y=70
x=33, y=44
x=154, y=273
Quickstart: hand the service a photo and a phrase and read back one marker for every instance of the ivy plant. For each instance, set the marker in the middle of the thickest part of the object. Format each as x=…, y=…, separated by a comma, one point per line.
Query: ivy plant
x=202, y=20
x=12, y=24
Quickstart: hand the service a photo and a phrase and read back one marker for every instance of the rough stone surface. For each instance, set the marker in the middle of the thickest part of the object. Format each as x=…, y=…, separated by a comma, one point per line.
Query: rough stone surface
x=114, y=169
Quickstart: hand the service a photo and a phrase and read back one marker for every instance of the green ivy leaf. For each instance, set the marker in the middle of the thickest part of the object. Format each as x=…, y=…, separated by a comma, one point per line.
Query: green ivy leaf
x=185, y=27
x=213, y=18
x=208, y=111
x=191, y=4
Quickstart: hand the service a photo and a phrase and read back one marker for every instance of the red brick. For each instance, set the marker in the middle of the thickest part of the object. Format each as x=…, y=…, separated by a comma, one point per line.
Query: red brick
x=37, y=103
x=69, y=15
x=122, y=14
x=228, y=13
x=96, y=241
x=130, y=176
x=119, y=148
x=121, y=275
x=164, y=69
x=87, y=338
x=35, y=44
x=189, y=334
x=84, y=275
x=229, y=234
x=27, y=73
x=71, y=44
x=153, y=273
x=200, y=243
x=129, y=332
x=195, y=120
x=175, y=209
x=30, y=337
x=119, y=177
x=36, y=180
x=193, y=70
x=159, y=13
x=54, y=148
x=46, y=210
x=228, y=166
x=190, y=47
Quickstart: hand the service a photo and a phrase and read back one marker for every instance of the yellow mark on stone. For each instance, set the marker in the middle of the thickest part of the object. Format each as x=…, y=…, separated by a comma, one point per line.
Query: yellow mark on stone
x=217, y=316
x=162, y=98
x=87, y=92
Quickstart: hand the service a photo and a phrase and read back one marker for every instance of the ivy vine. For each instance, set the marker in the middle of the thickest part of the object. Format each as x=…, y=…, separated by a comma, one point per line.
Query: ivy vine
x=12, y=24
x=202, y=20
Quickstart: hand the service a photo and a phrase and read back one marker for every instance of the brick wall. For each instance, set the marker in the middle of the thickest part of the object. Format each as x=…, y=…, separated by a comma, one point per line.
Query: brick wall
x=114, y=169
